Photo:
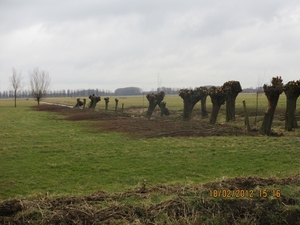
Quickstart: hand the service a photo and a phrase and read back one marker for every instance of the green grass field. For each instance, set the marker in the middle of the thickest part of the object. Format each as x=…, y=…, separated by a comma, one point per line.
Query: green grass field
x=40, y=153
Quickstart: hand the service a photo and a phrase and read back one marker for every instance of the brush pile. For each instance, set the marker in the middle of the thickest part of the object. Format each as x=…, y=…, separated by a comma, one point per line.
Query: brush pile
x=179, y=205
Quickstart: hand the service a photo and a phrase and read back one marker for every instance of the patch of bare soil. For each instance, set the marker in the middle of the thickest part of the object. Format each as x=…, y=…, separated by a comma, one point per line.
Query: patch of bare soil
x=184, y=205
x=138, y=125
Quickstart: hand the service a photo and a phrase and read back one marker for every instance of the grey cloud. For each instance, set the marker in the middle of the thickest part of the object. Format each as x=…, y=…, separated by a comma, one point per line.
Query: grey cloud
x=120, y=43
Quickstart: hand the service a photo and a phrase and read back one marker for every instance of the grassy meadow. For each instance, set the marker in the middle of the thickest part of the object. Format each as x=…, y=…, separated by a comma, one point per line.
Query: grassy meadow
x=42, y=154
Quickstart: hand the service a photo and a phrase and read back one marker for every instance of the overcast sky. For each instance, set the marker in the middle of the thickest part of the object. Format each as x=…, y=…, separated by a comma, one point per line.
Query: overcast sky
x=107, y=44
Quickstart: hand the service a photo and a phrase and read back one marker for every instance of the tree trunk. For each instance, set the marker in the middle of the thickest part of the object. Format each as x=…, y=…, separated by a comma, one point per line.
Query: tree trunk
x=188, y=108
x=152, y=105
x=290, y=118
x=272, y=92
x=214, y=113
x=269, y=115
x=203, y=107
x=230, y=108
x=218, y=98
x=117, y=101
x=15, y=98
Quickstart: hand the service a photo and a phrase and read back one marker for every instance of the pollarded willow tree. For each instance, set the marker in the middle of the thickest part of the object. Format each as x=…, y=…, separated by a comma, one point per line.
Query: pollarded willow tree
x=231, y=89
x=154, y=100
x=218, y=98
x=292, y=92
x=94, y=101
x=272, y=92
x=190, y=99
x=80, y=103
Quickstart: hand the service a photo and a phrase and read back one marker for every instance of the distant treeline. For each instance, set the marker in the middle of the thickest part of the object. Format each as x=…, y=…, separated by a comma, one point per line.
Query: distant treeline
x=59, y=93
x=118, y=92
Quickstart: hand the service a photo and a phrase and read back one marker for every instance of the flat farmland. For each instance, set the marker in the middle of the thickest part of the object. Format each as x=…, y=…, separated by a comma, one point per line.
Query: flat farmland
x=51, y=151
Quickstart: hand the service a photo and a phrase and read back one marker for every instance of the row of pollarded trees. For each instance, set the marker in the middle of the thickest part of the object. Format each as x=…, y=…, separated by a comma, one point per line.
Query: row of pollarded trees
x=273, y=91
x=94, y=100
x=230, y=90
x=219, y=95
x=228, y=93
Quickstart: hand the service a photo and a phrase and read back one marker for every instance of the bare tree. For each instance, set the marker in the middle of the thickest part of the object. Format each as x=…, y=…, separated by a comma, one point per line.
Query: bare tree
x=39, y=83
x=16, y=83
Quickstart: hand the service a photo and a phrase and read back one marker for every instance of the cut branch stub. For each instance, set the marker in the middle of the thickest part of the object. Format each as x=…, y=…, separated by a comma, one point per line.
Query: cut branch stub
x=190, y=98
x=292, y=92
x=154, y=100
x=218, y=98
x=272, y=92
x=231, y=89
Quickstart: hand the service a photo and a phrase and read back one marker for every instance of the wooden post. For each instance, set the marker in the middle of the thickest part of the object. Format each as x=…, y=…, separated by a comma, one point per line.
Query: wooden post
x=122, y=107
x=106, y=102
x=117, y=100
x=246, y=117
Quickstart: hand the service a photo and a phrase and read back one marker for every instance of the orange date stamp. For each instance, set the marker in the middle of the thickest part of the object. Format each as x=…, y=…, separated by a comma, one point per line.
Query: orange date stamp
x=244, y=193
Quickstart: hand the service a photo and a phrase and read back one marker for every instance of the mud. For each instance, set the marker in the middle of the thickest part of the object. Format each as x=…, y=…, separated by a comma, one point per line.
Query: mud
x=137, y=125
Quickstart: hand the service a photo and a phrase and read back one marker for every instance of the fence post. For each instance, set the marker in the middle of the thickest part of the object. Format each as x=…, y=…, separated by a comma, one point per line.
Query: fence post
x=106, y=102
x=246, y=117
x=117, y=100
